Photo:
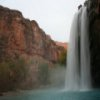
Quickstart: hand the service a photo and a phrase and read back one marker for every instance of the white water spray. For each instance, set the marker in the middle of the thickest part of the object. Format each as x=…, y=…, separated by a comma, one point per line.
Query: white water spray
x=78, y=59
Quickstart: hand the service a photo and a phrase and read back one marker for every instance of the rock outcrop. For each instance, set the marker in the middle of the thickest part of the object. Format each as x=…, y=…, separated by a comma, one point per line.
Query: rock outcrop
x=20, y=36
x=62, y=44
x=94, y=27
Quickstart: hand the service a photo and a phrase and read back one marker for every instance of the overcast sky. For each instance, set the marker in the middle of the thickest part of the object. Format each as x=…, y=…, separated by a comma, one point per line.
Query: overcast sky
x=53, y=16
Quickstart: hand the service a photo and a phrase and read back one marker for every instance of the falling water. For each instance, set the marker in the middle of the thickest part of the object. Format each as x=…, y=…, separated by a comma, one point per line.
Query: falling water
x=78, y=58
x=85, y=54
x=72, y=75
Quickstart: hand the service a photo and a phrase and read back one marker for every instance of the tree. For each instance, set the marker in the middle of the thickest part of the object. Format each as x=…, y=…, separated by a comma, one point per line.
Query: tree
x=62, y=57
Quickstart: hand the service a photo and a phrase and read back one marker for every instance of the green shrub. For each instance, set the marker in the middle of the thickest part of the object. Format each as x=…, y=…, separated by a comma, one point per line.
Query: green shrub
x=43, y=74
x=4, y=77
x=3, y=44
x=62, y=57
x=11, y=74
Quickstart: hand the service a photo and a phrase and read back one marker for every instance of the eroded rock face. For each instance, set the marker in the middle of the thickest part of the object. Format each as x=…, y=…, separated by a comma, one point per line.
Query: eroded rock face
x=94, y=17
x=20, y=36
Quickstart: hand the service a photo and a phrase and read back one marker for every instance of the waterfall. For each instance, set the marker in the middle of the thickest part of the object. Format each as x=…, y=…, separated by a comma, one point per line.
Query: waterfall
x=78, y=57
x=85, y=53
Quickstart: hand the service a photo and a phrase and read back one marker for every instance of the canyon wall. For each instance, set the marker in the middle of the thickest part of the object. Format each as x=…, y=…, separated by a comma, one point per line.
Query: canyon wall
x=21, y=36
x=94, y=34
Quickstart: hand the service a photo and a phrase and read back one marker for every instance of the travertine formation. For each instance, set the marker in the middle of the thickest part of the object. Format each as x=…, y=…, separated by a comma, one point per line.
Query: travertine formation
x=22, y=37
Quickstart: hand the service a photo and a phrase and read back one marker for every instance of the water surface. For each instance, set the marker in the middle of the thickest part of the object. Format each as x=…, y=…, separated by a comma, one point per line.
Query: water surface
x=54, y=94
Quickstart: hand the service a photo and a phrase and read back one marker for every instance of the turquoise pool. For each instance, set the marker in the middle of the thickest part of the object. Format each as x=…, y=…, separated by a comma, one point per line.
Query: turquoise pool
x=54, y=95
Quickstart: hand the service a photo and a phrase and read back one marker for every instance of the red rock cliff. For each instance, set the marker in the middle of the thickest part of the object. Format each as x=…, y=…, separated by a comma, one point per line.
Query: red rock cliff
x=20, y=36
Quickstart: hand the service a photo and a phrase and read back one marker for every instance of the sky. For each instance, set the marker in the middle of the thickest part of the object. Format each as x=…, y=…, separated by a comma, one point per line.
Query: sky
x=53, y=16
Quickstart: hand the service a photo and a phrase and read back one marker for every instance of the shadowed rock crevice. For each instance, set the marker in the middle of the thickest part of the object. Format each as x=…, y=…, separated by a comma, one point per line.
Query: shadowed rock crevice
x=94, y=28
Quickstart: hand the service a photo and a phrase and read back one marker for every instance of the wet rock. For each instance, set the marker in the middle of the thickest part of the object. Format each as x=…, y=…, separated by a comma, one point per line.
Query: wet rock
x=94, y=28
